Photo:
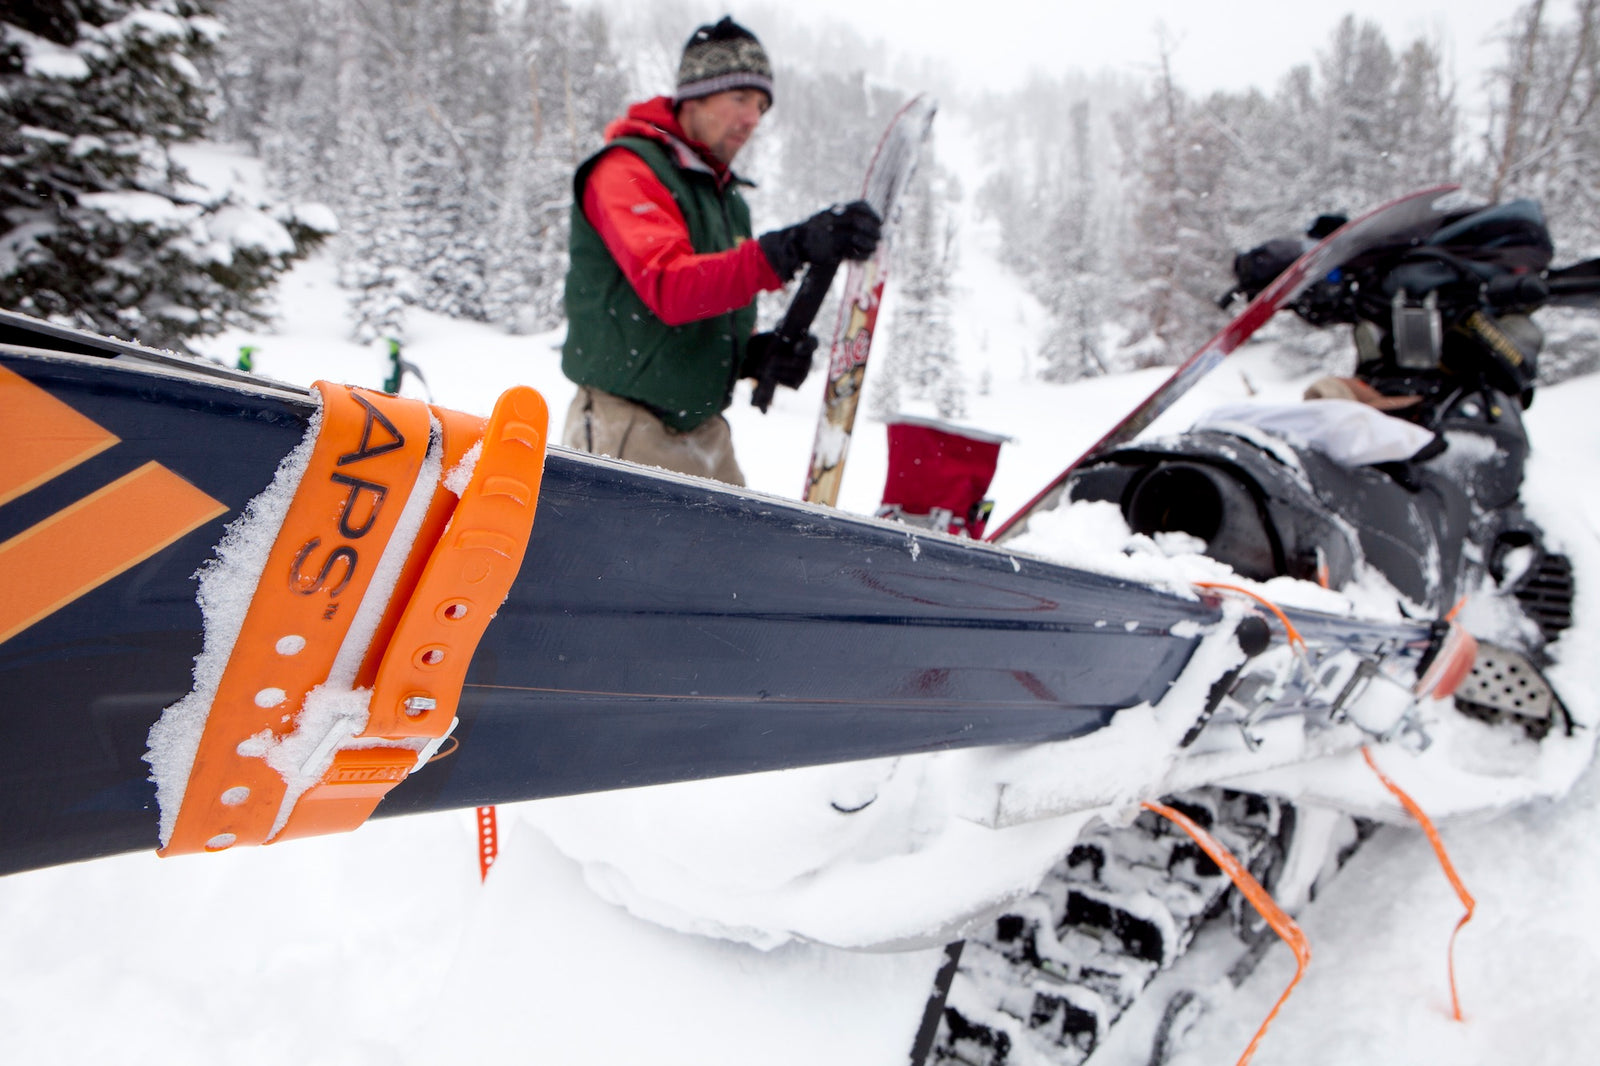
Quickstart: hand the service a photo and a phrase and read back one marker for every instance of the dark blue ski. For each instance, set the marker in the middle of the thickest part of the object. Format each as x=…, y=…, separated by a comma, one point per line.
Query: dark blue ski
x=662, y=628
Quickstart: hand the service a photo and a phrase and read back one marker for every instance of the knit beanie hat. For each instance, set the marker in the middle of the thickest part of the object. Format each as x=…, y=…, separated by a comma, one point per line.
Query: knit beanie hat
x=722, y=57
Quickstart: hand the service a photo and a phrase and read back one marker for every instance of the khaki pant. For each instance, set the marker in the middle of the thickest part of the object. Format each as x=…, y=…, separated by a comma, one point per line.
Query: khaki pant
x=603, y=424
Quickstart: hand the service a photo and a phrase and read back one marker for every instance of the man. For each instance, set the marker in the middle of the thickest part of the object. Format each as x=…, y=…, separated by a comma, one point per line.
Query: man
x=661, y=290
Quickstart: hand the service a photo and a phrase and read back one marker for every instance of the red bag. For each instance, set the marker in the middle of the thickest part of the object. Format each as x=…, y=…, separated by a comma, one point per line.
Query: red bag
x=938, y=475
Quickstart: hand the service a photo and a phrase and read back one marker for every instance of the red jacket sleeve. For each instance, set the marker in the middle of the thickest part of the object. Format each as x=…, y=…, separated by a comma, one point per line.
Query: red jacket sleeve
x=645, y=232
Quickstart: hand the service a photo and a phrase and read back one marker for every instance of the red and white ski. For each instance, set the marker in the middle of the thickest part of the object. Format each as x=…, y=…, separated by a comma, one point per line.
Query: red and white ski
x=890, y=171
x=1394, y=221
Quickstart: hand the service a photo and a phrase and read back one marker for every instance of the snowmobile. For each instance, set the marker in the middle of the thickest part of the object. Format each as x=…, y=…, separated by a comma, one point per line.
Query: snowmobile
x=1445, y=341
x=1403, y=479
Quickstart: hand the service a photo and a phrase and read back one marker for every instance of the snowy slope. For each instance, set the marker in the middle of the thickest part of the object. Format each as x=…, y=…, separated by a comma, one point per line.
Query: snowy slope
x=588, y=945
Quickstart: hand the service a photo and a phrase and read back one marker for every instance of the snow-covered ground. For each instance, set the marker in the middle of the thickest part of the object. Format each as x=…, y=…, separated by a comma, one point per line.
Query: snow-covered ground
x=590, y=942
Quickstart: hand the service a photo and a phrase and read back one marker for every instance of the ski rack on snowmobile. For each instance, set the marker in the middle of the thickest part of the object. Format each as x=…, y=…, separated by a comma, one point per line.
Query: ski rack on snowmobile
x=1263, y=685
x=337, y=688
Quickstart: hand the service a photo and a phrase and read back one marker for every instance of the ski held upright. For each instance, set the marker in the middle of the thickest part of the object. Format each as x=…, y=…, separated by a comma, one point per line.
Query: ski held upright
x=893, y=164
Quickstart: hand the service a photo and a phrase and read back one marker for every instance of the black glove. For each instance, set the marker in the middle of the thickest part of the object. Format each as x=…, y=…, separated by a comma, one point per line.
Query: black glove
x=843, y=231
x=769, y=357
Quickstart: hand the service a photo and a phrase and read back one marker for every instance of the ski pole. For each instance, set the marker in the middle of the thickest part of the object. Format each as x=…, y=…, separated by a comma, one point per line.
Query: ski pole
x=796, y=323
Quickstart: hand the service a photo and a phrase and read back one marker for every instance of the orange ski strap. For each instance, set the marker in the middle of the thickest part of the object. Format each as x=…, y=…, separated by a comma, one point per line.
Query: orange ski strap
x=488, y=841
x=1259, y=898
x=338, y=685
x=1444, y=862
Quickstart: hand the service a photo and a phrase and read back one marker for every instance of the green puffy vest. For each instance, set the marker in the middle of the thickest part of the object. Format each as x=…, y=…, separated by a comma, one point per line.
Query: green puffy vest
x=617, y=344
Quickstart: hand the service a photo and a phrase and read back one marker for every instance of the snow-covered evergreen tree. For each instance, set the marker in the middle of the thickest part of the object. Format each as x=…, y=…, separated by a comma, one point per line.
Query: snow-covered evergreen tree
x=919, y=363
x=446, y=133
x=1543, y=142
x=1179, y=259
x=575, y=88
x=1074, y=259
x=376, y=242
x=1544, y=134
x=1219, y=175
x=100, y=224
x=1056, y=196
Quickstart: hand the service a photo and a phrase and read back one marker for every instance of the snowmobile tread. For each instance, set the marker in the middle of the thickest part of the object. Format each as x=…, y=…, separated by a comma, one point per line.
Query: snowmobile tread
x=1059, y=968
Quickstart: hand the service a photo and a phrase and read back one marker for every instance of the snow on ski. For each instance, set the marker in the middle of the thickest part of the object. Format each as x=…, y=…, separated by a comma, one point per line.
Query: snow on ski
x=344, y=674
x=1392, y=222
x=892, y=167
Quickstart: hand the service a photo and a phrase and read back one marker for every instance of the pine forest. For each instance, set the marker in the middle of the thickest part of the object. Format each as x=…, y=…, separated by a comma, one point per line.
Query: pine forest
x=429, y=145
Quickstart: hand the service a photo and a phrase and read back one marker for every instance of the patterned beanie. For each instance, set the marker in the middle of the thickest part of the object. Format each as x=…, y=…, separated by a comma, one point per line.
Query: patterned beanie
x=722, y=57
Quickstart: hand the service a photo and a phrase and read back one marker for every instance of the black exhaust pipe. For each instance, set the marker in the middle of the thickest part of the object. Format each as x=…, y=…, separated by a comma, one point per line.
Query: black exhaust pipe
x=1182, y=497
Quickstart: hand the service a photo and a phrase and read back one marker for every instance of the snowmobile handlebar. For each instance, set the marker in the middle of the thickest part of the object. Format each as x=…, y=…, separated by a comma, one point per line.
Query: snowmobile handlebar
x=1440, y=310
x=1577, y=285
x=1492, y=258
x=1457, y=285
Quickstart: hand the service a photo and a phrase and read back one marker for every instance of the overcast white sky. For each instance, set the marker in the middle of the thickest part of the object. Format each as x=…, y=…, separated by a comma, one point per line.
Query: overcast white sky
x=1219, y=44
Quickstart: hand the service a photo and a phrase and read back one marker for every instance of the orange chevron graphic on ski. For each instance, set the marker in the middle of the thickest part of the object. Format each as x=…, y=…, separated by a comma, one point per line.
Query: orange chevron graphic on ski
x=44, y=437
x=87, y=543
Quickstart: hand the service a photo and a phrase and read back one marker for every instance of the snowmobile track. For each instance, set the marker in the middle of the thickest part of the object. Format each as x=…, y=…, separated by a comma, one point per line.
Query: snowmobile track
x=1056, y=970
